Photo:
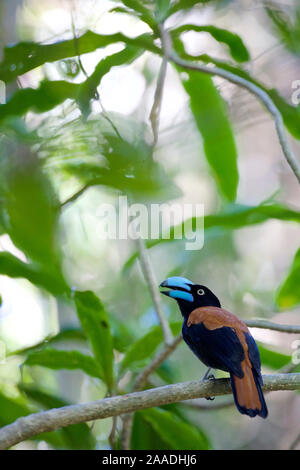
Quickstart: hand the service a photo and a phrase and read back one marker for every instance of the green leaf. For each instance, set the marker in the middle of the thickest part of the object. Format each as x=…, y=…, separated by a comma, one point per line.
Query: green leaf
x=52, y=93
x=58, y=359
x=179, y=434
x=126, y=164
x=286, y=23
x=31, y=218
x=122, y=337
x=26, y=56
x=12, y=409
x=145, y=347
x=272, y=359
x=29, y=210
x=213, y=123
x=181, y=5
x=162, y=10
x=289, y=293
x=121, y=333
x=66, y=334
x=87, y=90
x=31, y=206
x=143, y=12
x=13, y=267
x=143, y=435
x=42, y=99
x=95, y=324
x=76, y=436
x=237, y=48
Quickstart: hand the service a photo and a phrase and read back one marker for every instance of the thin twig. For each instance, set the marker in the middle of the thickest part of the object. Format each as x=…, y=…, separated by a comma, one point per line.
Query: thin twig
x=170, y=343
x=144, y=255
x=126, y=431
x=148, y=272
x=112, y=436
x=266, y=324
x=152, y=284
x=45, y=421
x=242, y=82
x=155, y=110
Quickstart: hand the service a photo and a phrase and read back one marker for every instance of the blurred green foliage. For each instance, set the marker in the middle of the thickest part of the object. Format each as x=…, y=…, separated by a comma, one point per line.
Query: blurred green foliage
x=289, y=295
x=95, y=323
x=175, y=432
x=71, y=147
x=76, y=436
x=211, y=119
x=286, y=23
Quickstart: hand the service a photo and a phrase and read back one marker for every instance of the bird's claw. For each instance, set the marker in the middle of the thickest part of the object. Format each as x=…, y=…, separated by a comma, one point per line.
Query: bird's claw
x=210, y=398
x=208, y=376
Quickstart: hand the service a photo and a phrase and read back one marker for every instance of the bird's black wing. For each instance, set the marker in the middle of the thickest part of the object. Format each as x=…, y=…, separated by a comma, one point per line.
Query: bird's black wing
x=254, y=356
x=219, y=348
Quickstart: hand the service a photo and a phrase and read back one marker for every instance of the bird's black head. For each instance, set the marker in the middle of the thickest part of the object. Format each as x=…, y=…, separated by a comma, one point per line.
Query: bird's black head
x=189, y=295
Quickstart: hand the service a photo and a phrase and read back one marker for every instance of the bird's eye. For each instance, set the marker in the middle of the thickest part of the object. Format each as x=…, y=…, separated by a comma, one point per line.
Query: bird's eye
x=200, y=291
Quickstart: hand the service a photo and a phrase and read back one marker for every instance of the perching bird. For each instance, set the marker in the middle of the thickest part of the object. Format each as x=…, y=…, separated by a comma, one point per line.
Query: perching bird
x=221, y=341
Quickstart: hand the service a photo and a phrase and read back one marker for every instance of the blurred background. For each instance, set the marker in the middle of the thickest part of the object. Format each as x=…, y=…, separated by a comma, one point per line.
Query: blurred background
x=52, y=148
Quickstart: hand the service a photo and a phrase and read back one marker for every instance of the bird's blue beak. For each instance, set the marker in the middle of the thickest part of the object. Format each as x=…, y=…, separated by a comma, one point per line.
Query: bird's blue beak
x=180, y=288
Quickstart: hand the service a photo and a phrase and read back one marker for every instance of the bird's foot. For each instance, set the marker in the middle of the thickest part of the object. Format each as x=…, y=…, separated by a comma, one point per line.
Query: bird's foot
x=208, y=376
x=210, y=398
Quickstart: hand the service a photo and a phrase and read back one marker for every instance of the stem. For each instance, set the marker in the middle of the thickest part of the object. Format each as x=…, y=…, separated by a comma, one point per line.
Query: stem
x=272, y=326
x=156, y=107
x=142, y=378
x=152, y=283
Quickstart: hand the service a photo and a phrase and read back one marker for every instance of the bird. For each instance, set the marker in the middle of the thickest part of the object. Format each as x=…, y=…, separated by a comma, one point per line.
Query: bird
x=220, y=340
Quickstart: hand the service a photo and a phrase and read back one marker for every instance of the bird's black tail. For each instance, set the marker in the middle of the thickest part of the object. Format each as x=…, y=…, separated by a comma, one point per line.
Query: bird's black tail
x=247, y=392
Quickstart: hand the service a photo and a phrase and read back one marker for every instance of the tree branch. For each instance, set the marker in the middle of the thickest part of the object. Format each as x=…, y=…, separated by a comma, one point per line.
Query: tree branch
x=170, y=344
x=156, y=107
x=266, y=324
x=242, y=82
x=152, y=283
x=31, y=425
